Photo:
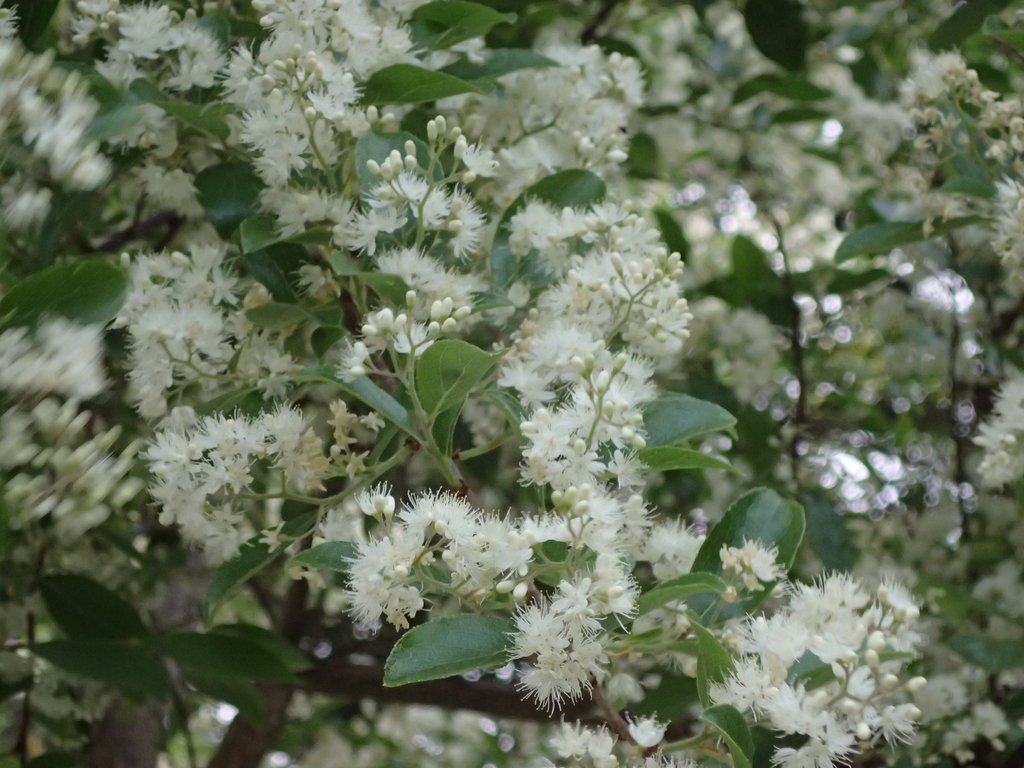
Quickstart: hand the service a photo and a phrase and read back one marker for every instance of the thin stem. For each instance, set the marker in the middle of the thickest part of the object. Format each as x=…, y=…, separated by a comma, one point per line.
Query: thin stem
x=799, y=415
x=616, y=722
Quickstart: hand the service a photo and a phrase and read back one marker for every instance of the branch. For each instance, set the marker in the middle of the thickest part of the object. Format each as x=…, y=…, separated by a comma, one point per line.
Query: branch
x=246, y=743
x=142, y=229
x=799, y=416
x=355, y=677
x=616, y=722
x=957, y=431
x=589, y=33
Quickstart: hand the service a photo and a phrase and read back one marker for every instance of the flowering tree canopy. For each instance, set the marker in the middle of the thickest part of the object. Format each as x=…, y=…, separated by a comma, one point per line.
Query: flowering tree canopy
x=511, y=383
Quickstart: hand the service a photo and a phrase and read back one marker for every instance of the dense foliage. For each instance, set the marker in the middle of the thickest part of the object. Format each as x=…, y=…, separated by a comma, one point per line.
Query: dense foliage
x=511, y=383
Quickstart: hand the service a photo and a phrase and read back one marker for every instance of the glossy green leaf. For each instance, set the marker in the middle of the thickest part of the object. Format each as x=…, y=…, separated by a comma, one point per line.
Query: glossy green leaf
x=229, y=193
x=33, y=18
x=377, y=146
x=276, y=267
x=276, y=315
x=827, y=533
x=448, y=371
x=665, y=458
x=252, y=558
x=256, y=233
x=778, y=30
x=733, y=728
x=273, y=643
x=575, y=188
x=759, y=515
x=992, y=654
x=673, y=418
x=845, y=281
x=882, y=237
x=220, y=654
x=672, y=232
x=244, y=695
x=713, y=662
x=127, y=667
x=366, y=391
x=83, y=291
x=449, y=646
x=205, y=118
x=331, y=556
x=83, y=608
x=498, y=62
x=443, y=23
x=964, y=21
x=409, y=84
x=391, y=288
x=679, y=589
x=790, y=87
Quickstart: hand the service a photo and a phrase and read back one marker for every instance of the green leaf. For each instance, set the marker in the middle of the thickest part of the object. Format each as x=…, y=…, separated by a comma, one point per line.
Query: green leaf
x=673, y=418
x=391, y=288
x=643, y=157
x=274, y=267
x=409, y=84
x=377, y=146
x=257, y=232
x=33, y=18
x=331, y=555
x=882, y=237
x=500, y=61
x=447, y=371
x=291, y=657
x=230, y=193
x=229, y=577
x=83, y=608
x=575, y=187
x=665, y=458
x=252, y=557
x=276, y=315
x=827, y=533
x=81, y=290
x=449, y=646
x=713, y=662
x=991, y=654
x=366, y=391
x=759, y=515
x=844, y=281
x=679, y=589
x=56, y=760
x=799, y=115
x=129, y=668
x=220, y=654
x=244, y=695
x=733, y=728
x=672, y=232
x=778, y=30
x=205, y=118
x=790, y=87
x=443, y=23
x=964, y=22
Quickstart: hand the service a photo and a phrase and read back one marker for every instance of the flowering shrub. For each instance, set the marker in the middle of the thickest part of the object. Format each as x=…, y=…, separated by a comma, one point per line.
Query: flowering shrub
x=511, y=383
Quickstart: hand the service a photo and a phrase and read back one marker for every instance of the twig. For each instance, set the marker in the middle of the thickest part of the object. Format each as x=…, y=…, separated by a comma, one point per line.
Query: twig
x=589, y=33
x=616, y=722
x=956, y=430
x=799, y=415
x=141, y=229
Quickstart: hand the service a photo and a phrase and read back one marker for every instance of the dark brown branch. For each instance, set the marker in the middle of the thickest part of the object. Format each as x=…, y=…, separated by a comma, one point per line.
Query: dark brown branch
x=164, y=223
x=589, y=33
x=616, y=722
x=350, y=679
x=246, y=743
